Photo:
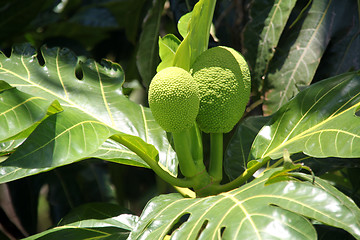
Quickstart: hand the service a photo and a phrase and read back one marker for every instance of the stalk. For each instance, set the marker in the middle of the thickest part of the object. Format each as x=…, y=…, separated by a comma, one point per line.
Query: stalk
x=153, y=163
x=216, y=157
x=182, y=143
x=197, y=147
x=242, y=178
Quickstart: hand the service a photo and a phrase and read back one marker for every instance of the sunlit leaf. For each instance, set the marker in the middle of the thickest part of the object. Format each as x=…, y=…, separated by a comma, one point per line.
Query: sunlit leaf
x=94, y=109
x=19, y=111
x=320, y=122
x=95, y=210
x=167, y=49
x=197, y=38
x=253, y=211
x=183, y=24
x=110, y=228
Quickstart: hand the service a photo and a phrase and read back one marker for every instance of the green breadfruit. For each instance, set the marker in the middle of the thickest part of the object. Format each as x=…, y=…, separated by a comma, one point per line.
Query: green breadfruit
x=174, y=99
x=224, y=85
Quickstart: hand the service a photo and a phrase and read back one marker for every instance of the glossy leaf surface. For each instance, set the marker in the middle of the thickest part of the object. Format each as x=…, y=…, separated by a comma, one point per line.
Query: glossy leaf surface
x=168, y=46
x=18, y=111
x=197, y=38
x=94, y=210
x=320, y=121
x=110, y=228
x=253, y=211
x=94, y=109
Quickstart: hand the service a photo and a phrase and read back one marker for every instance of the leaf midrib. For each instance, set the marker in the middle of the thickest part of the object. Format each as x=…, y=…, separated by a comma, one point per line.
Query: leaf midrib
x=33, y=84
x=309, y=130
x=291, y=78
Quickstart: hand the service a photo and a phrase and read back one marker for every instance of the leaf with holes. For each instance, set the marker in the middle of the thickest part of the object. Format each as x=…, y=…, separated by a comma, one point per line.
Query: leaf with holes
x=320, y=121
x=94, y=109
x=253, y=211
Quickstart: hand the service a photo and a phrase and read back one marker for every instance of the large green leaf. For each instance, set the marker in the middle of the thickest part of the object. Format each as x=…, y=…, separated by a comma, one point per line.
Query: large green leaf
x=94, y=109
x=111, y=228
x=94, y=210
x=253, y=211
x=320, y=122
x=297, y=61
x=18, y=111
x=267, y=30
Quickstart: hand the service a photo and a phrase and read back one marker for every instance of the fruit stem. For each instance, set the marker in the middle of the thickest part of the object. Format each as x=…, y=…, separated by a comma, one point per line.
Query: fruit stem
x=182, y=143
x=153, y=163
x=216, y=157
x=240, y=180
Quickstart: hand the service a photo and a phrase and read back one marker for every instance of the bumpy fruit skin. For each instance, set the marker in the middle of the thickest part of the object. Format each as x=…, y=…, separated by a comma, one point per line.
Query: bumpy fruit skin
x=174, y=99
x=224, y=84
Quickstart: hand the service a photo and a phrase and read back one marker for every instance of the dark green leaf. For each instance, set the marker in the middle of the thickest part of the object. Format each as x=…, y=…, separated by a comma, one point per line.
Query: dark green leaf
x=73, y=185
x=238, y=149
x=96, y=17
x=128, y=14
x=342, y=53
x=296, y=67
x=147, y=55
x=268, y=28
x=14, y=17
x=93, y=211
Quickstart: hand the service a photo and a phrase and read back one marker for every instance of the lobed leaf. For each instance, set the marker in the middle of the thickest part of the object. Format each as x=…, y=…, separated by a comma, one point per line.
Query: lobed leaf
x=253, y=211
x=94, y=110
